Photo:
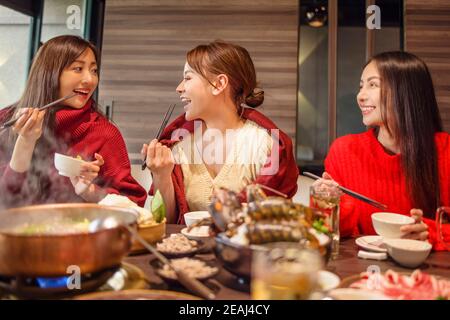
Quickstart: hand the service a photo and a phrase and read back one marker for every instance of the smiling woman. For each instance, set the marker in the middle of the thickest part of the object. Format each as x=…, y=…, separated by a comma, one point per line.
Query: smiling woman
x=403, y=160
x=63, y=65
x=226, y=142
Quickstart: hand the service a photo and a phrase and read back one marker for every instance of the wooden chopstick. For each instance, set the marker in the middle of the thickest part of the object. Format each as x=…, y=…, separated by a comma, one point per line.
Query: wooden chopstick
x=10, y=123
x=352, y=193
x=161, y=129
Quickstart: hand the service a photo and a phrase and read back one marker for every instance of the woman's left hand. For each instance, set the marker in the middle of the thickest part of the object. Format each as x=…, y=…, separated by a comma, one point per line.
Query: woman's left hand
x=418, y=230
x=89, y=171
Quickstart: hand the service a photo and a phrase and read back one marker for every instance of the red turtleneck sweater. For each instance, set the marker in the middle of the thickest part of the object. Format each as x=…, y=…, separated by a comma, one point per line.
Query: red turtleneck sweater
x=77, y=132
x=359, y=162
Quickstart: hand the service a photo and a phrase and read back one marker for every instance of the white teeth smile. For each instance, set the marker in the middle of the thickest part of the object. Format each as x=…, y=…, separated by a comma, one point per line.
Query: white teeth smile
x=367, y=108
x=186, y=100
x=82, y=91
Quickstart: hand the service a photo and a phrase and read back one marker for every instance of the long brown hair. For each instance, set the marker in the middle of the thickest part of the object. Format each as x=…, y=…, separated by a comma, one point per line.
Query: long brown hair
x=221, y=57
x=411, y=116
x=42, y=87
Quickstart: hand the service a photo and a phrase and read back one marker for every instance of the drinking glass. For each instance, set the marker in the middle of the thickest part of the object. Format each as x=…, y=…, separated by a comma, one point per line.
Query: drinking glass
x=443, y=226
x=325, y=200
x=285, y=271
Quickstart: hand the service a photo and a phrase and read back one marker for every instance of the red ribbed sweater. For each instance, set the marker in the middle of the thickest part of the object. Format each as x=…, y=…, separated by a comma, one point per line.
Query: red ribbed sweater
x=77, y=132
x=360, y=163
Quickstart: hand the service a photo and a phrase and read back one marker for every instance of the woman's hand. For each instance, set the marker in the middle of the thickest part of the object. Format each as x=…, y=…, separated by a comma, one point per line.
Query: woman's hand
x=29, y=125
x=160, y=160
x=83, y=183
x=418, y=230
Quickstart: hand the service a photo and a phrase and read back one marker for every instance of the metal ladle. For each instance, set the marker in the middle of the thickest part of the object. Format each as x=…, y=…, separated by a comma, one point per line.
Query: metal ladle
x=191, y=284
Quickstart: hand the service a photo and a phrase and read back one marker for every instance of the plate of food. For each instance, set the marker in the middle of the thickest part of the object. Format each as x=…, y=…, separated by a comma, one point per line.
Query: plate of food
x=417, y=285
x=178, y=246
x=194, y=268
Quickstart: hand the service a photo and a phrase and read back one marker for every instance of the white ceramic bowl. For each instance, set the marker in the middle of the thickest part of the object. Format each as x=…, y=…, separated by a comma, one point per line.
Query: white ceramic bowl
x=68, y=166
x=388, y=224
x=200, y=234
x=408, y=253
x=194, y=216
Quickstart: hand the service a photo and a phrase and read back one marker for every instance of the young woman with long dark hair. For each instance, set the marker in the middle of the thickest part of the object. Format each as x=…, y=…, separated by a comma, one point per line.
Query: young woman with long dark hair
x=63, y=65
x=403, y=160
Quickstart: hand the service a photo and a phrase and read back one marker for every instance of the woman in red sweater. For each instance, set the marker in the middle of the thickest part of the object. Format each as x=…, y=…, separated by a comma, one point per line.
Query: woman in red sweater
x=219, y=94
x=403, y=160
x=62, y=65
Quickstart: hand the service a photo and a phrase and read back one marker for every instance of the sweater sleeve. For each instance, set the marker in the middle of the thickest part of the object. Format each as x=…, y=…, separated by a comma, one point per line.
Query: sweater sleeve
x=280, y=172
x=348, y=220
x=115, y=174
x=11, y=182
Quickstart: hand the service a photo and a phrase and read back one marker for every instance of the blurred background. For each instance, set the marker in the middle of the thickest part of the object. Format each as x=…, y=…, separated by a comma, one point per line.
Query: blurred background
x=308, y=55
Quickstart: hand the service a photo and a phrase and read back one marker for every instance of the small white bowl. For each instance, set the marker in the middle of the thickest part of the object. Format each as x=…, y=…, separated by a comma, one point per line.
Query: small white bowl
x=388, y=224
x=68, y=166
x=194, y=216
x=327, y=280
x=199, y=234
x=408, y=253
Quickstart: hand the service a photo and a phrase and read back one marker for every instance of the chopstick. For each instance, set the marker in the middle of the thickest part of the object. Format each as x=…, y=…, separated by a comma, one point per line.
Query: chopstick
x=189, y=283
x=353, y=193
x=10, y=123
x=161, y=129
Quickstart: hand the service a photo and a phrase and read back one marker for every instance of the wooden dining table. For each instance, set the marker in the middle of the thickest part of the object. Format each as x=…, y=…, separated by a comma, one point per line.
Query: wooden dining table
x=229, y=287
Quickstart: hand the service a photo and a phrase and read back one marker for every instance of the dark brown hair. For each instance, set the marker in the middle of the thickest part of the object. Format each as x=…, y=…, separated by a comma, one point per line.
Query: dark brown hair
x=42, y=87
x=410, y=113
x=221, y=57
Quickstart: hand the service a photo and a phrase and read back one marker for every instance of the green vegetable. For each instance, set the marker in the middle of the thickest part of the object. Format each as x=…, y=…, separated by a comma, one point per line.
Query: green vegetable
x=158, y=207
x=319, y=225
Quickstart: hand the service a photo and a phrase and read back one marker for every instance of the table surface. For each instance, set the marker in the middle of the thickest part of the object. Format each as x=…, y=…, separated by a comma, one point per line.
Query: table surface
x=227, y=286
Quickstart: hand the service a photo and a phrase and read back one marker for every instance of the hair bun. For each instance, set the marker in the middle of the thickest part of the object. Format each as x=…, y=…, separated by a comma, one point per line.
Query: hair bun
x=255, y=98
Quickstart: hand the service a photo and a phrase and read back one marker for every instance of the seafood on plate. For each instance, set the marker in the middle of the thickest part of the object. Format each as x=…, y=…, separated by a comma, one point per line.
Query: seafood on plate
x=264, y=219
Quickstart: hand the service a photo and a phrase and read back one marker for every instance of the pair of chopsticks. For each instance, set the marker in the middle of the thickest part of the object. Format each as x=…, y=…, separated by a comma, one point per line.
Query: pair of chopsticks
x=353, y=193
x=11, y=122
x=161, y=129
x=191, y=284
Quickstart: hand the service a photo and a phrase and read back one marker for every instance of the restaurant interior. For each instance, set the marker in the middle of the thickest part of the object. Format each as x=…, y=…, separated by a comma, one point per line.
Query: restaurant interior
x=281, y=242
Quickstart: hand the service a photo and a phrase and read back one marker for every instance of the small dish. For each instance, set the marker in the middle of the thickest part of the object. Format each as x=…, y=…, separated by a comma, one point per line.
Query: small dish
x=408, y=253
x=158, y=266
x=388, y=224
x=200, y=234
x=68, y=166
x=190, y=253
x=151, y=233
x=195, y=216
x=327, y=280
x=371, y=243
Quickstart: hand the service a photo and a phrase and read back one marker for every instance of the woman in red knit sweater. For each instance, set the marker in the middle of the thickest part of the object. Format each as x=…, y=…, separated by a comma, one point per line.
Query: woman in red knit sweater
x=403, y=160
x=62, y=65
